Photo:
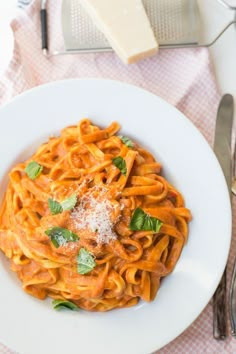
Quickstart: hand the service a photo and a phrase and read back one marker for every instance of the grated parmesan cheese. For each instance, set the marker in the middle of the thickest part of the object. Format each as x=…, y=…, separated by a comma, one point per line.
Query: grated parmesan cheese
x=61, y=240
x=94, y=213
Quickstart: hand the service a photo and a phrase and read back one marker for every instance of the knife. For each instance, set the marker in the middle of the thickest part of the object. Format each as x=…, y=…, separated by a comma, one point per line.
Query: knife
x=232, y=291
x=222, y=149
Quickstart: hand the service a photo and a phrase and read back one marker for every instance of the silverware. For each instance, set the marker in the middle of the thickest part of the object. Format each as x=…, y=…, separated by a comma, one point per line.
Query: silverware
x=233, y=187
x=222, y=149
x=232, y=291
x=232, y=302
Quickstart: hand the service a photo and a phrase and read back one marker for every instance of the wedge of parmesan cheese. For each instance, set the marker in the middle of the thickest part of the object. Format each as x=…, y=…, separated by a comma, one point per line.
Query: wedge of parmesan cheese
x=125, y=25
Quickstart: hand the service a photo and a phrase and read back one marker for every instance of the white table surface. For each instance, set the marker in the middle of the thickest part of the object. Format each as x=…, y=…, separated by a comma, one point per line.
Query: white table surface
x=214, y=17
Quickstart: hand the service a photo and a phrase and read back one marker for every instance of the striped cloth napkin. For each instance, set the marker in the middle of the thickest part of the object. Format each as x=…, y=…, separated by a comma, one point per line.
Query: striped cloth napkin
x=182, y=77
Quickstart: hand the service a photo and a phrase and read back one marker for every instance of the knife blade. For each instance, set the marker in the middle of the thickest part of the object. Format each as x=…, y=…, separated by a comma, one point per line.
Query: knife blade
x=222, y=149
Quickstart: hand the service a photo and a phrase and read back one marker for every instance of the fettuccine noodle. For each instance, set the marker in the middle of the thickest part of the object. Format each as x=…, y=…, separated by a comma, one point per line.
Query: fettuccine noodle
x=128, y=262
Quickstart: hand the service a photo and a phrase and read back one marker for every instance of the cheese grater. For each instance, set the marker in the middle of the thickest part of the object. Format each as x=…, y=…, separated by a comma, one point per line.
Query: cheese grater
x=175, y=23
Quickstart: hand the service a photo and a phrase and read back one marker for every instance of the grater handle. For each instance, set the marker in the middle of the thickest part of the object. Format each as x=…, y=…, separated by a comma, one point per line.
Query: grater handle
x=44, y=29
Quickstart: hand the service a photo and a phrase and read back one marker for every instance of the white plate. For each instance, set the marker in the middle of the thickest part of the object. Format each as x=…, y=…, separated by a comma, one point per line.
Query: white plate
x=31, y=326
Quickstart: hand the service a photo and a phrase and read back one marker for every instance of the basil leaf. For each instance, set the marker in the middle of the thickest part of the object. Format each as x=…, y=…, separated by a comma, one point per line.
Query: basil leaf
x=85, y=261
x=33, y=170
x=147, y=225
x=64, y=304
x=60, y=236
x=156, y=224
x=69, y=203
x=54, y=206
x=120, y=163
x=141, y=221
x=127, y=141
x=137, y=220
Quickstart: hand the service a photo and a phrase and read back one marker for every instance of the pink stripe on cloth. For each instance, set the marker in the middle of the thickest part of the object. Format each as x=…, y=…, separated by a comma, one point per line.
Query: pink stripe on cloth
x=182, y=77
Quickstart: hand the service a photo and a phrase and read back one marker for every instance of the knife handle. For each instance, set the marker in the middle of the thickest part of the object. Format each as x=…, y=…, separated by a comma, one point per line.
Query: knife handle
x=232, y=301
x=219, y=310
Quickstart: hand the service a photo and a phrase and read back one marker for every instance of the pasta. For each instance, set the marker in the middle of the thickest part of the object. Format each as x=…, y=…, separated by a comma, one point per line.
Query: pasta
x=89, y=221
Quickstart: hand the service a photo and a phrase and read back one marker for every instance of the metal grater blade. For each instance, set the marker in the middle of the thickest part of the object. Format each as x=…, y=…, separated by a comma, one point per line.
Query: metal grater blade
x=173, y=21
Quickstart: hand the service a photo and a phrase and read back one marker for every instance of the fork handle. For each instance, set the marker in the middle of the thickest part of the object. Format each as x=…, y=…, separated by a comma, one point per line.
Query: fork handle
x=232, y=301
x=219, y=310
